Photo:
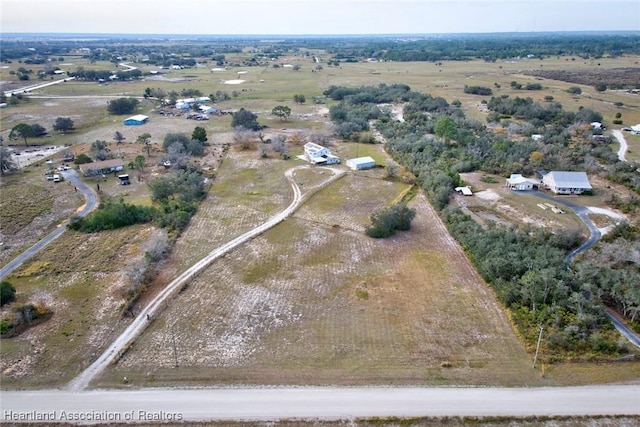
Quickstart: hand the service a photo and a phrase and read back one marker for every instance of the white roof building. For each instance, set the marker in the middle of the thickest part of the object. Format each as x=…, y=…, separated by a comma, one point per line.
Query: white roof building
x=361, y=163
x=561, y=182
x=319, y=155
x=520, y=183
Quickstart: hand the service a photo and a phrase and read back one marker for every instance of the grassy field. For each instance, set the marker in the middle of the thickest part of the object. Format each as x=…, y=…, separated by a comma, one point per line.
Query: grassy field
x=312, y=301
x=315, y=301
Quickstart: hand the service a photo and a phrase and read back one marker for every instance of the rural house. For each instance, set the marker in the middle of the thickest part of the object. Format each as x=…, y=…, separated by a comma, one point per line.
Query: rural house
x=566, y=182
x=102, y=168
x=361, y=163
x=137, y=120
x=519, y=183
x=319, y=155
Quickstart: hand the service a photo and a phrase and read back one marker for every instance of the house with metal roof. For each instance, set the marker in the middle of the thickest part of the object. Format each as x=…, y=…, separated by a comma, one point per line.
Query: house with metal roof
x=360, y=163
x=102, y=168
x=519, y=183
x=136, y=120
x=561, y=182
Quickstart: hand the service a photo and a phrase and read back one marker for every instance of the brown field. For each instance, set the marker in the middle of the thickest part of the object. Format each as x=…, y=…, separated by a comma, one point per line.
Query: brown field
x=315, y=301
x=312, y=301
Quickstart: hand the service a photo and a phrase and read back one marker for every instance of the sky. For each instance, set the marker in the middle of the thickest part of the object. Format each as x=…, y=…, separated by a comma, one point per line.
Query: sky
x=307, y=17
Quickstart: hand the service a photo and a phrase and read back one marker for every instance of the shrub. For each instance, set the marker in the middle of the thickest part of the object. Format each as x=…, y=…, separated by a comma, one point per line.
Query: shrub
x=112, y=215
x=82, y=159
x=7, y=293
x=386, y=221
x=478, y=90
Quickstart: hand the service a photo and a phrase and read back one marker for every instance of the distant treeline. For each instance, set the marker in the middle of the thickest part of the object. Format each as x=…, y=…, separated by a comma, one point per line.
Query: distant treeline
x=490, y=47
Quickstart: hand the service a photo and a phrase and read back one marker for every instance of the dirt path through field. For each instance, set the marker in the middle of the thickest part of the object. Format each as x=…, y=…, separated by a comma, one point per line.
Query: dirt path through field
x=150, y=312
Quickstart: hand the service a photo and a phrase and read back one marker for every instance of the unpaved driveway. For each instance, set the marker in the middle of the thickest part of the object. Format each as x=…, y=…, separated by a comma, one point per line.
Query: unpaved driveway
x=140, y=323
x=622, y=152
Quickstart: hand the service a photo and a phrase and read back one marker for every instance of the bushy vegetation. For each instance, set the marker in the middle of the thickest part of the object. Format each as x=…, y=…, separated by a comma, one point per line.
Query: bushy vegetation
x=7, y=293
x=385, y=222
x=122, y=106
x=478, y=90
x=526, y=266
x=111, y=215
x=22, y=317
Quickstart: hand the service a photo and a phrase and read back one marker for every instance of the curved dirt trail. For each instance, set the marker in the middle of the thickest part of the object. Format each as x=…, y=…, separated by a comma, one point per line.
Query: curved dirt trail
x=144, y=318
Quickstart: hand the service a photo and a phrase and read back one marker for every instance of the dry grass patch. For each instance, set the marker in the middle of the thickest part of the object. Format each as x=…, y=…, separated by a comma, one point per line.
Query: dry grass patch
x=81, y=278
x=289, y=308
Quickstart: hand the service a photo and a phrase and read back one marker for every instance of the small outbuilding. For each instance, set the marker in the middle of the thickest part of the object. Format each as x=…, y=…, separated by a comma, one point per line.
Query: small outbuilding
x=136, y=120
x=465, y=191
x=360, y=163
x=519, y=183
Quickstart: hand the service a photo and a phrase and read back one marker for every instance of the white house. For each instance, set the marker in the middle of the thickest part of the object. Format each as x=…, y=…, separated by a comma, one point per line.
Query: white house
x=361, y=163
x=520, y=183
x=635, y=129
x=319, y=155
x=566, y=182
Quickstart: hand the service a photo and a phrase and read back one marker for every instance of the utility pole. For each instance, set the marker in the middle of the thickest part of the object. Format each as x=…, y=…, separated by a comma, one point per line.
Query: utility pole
x=175, y=350
x=535, y=358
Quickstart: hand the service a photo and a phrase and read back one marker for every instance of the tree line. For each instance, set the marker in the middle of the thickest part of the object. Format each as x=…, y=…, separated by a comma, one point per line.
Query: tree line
x=526, y=266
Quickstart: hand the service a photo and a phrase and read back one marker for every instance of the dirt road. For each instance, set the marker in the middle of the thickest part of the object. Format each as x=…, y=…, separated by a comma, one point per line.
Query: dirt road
x=622, y=152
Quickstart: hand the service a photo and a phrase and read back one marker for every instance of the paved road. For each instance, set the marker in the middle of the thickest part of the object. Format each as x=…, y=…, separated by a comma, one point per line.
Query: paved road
x=581, y=211
x=140, y=323
x=622, y=152
x=27, y=89
x=594, y=237
x=329, y=403
x=91, y=203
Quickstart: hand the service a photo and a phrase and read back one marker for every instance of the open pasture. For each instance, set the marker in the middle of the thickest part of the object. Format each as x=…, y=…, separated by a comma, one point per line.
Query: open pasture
x=315, y=301
x=312, y=301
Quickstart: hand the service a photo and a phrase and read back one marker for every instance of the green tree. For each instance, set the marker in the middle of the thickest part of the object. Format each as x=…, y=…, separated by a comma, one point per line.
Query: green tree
x=199, y=134
x=7, y=293
x=122, y=106
x=6, y=162
x=246, y=119
x=446, y=128
x=82, y=159
x=299, y=99
x=21, y=130
x=63, y=124
x=281, y=111
x=574, y=90
x=139, y=163
x=145, y=139
x=38, y=130
x=386, y=221
x=600, y=87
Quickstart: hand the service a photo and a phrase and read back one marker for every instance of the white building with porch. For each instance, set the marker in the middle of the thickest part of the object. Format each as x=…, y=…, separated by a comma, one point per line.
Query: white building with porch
x=519, y=183
x=319, y=155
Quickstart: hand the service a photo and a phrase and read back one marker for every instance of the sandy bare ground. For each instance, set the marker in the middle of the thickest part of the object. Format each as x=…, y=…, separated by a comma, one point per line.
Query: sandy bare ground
x=315, y=301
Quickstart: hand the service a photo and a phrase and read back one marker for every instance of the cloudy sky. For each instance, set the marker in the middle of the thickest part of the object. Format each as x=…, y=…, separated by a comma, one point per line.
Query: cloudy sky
x=316, y=16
